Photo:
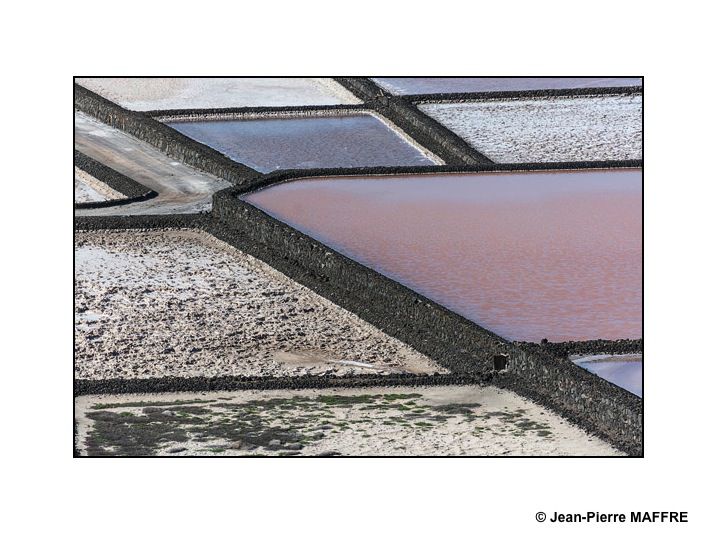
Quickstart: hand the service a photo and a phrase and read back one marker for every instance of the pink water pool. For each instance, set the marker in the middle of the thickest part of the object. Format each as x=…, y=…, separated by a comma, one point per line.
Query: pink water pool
x=535, y=255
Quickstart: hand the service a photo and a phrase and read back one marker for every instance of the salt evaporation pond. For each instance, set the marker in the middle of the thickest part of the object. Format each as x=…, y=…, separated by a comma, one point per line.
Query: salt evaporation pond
x=439, y=85
x=585, y=128
x=623, y=370
x=534, y=255
x=272, y=143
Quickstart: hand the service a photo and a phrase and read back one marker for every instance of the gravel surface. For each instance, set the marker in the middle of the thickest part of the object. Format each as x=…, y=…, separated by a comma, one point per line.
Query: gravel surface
x=181, y=189
x=181, y=303
x=145, y=94
x=548, y=129
x=401, y=421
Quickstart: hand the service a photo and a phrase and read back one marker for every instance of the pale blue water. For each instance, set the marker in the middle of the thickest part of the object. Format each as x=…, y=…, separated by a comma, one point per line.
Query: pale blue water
x=624, y=370
x=268, y=144
x=439, y=85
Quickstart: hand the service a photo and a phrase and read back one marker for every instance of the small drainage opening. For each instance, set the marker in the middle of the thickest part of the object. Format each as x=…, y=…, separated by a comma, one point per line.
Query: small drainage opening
x=500, y=362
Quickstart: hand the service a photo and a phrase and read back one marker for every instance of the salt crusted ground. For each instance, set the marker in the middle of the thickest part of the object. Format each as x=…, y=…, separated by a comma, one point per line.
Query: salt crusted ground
x=181, y=189
x=153, y=304
x=454, y=421
x=547, y=129
x=145, y=94
x=90, y=189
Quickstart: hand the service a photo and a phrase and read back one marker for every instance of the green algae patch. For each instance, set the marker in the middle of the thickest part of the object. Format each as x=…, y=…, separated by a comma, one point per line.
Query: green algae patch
x=294, y=425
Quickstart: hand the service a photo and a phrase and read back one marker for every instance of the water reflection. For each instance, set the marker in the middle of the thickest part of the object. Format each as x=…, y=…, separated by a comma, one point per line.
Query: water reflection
x=554, y=255
x=268, y=144
x=436, y=85
x=623, y=370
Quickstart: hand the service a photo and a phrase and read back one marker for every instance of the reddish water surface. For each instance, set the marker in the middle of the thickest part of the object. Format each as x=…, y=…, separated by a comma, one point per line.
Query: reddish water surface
x=554, y=255
x=437, y=85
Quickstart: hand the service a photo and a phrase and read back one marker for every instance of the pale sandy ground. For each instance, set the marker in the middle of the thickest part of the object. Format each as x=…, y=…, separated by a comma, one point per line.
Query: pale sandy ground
x=403, y=421
x=90, y=189
x=547, y=129
x=145, y=94
x=153, y=304
x=181, y=189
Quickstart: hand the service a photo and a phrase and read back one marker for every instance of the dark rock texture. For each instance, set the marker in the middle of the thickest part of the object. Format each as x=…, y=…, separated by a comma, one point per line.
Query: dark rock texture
x=134, y=191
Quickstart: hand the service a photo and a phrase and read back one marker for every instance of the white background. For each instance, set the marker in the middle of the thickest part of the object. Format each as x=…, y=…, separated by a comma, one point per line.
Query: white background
x=48, y=494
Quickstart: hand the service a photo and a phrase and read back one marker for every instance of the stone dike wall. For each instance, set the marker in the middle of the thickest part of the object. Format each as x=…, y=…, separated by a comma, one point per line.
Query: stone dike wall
x=170, y=141
x=139, y=222
x=588, y=400
x=524, y=94
x=425, y=130
x=132, y=190
x=200, y=114
x=451, y=340
x=593, y=346
x=216, y=384
x=538, y=371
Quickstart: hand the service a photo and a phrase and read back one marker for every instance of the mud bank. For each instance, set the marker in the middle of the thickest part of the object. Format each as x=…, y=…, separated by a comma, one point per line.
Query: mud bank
x=141, y=314
x=376, y=421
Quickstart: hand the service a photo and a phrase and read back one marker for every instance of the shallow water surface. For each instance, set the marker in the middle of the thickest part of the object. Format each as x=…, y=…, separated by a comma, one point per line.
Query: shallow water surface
x=554, y=255
x=268, y=144
x=624, y=370
x=438, y=85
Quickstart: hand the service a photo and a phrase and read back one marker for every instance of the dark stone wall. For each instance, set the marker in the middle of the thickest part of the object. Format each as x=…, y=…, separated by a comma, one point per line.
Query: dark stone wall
x=132, y=190
x=173, y=143
x=215, y=384
x=161, y=221
x=522, y=94
x=442, y=142
x=592, y=346
x=592, y=402
x=544, y=375
x=451, y=340
x=301, y=109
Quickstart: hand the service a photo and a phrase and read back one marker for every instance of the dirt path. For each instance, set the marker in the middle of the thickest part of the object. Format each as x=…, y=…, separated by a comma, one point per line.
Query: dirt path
x=181, y=189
